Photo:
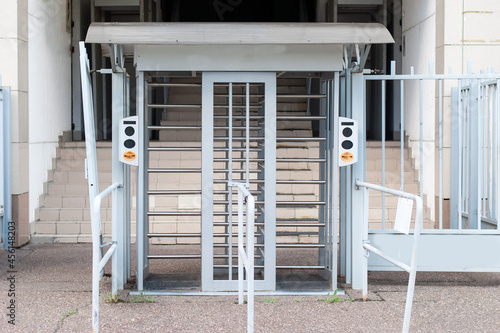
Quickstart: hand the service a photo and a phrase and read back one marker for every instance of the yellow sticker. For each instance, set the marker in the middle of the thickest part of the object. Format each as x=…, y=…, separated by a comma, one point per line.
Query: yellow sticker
x=347, y=157
x=129, y=156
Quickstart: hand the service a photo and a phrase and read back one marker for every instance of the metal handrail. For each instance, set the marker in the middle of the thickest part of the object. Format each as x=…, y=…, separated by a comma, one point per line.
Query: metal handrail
x=246, y=257
x=98, y=263
x=412, y=268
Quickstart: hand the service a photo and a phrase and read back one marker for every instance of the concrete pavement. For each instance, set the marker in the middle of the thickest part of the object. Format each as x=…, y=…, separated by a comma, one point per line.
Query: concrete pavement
x=53, y=294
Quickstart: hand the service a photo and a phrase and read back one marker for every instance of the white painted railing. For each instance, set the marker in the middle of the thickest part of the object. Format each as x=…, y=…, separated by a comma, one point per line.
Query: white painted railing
x=99, y=259
x=246, y=256
x=474, y=152
x=476, y=171
x=412, y=268
x=98, y=263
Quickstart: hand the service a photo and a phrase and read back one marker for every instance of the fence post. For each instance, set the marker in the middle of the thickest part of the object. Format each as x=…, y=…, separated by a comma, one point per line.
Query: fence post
x=474, y=149
x=358, y=173
x=455, y=214
x=118, y=176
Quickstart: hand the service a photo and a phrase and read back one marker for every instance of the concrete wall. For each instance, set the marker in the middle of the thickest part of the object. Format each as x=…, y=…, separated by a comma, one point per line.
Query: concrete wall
x=50, y=89
x=466, y=30
x=14, y=71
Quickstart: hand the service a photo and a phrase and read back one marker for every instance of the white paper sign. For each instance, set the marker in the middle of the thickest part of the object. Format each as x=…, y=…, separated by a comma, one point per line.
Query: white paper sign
x=403, y=215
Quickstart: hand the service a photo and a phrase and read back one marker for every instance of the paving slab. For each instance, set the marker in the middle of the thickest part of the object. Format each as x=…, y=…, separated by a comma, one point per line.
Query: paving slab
x=53, y=294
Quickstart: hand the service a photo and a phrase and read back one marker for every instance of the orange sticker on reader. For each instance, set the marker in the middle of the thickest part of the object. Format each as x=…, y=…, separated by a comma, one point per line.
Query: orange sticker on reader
x=129, y=156
x=347, y=157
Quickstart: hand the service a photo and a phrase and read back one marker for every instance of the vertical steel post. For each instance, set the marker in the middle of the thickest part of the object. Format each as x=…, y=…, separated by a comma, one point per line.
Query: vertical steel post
x=366, y=208
x=341, y=222
x=126, y=186
x=240, y=243
x=230, y=180
x=440, y=179
x=334, y=165
x=141, y=237
x=383, y=109
x=345, y=185
x=270, y=179
x=118, y=199
x=250, y=211
x=474, y=158
x=358, y=173
x=402, y=133
x=455, y=160
x=207, y=162
x=421, y=140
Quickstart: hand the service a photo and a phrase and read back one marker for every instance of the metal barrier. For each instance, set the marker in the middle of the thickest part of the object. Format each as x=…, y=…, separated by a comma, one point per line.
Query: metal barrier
x=412, y=268
x=476, y=153
x=91, y=174
x=246, y=258
x=474, y=143
x=5, y=167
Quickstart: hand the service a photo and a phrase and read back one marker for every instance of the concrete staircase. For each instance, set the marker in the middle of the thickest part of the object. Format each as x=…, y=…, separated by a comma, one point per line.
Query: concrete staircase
x=392, y=180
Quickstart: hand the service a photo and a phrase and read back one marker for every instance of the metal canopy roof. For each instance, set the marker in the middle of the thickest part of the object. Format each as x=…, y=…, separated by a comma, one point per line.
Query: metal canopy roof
x=238, y=33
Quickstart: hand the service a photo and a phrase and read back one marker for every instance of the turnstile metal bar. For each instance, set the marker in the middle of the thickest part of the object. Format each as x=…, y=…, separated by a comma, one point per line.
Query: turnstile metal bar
x=165, y=127
x=196, y=170
x=225, y=224
x=237, y=128
x=313, y=246
x=173, y=192
x=239, y=95
x=302, y=203
x=255, y=107
x=225, y=202
x=252, y=181
x=168, y=84
x=174, y=235
x=302, y=96
x=301, y=267
x=309, y=182
x=293, y=160
x=174, y=148
x=238, y=159
x=234, y=245
x=171, y=170
x=236, y=171
x=239, y=138
x=197, y=106
x=238, y=149
x=300, y=225
x=227, y=266
x=194, y=213
x=299, y=139
x=174, y=256
x=177, y=106
x=300, y=117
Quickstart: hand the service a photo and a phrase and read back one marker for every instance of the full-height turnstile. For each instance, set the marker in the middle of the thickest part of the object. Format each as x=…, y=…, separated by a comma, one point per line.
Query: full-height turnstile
x=239, y=143
x=257, y=55
x=237, y=122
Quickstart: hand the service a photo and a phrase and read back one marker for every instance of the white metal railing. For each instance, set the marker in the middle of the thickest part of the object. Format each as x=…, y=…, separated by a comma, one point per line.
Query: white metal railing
x=246, y=256
x=412, y=268
x=474, y=151
x=99, y=259
x=475, y=107
x=98, y=263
